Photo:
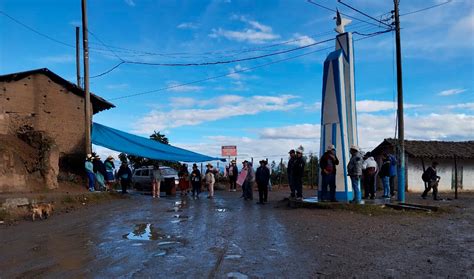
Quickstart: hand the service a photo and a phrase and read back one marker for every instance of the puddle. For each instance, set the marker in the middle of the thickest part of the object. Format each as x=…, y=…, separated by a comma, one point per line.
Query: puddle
x=236, y=275
x=167, y=243
x=160, y=254
x=311, y=200
x=221, y=210
x=232, y=257
x=146, y=232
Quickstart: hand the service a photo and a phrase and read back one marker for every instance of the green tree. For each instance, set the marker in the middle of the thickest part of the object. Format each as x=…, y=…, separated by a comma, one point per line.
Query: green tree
x=138, y=161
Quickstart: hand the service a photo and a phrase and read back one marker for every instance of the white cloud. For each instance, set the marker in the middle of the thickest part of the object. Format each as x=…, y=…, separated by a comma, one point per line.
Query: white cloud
x=131, y=3
x=183, y=88
x=188, y=25
x=301, y=40
x=256, y=33
x=450, y=92
x=117, y=86
x=159, y=119
x=316, y=106
x=373, y=106
x=58, y=59
x=374, y=128
x=299, y=131
x=469, y=106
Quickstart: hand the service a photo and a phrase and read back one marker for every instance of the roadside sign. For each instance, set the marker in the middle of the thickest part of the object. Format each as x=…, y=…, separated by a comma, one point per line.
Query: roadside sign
x=229, y=150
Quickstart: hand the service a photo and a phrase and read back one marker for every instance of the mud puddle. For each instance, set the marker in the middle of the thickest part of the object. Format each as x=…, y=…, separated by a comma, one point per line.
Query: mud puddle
x=146, y=231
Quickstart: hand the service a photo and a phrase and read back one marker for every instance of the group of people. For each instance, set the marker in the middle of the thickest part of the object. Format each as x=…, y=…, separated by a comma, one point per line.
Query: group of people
x=362, y=169
x=194, y=180
x=101, y=175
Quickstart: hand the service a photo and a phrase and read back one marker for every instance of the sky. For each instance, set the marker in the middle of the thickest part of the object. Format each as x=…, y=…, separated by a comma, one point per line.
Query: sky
x=265, y=106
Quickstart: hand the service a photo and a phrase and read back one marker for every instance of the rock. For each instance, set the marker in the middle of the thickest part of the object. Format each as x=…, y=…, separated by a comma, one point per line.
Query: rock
x=13, y=203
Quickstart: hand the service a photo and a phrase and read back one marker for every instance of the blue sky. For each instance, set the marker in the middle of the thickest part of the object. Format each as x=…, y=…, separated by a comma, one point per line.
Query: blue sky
x=271, y=109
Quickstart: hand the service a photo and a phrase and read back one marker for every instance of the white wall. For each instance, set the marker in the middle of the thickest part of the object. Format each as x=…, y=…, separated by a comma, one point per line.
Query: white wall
x=445, y=171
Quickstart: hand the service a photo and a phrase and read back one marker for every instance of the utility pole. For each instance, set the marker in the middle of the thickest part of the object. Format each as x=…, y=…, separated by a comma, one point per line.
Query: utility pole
x=87, y=98
x=78, y=58
x=401, y=125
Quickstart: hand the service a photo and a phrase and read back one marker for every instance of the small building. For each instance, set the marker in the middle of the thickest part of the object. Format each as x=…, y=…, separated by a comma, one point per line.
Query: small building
x=452, y=157
x=41, y=101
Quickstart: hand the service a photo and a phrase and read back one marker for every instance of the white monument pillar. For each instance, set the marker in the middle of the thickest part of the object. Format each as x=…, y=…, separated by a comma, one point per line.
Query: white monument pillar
x=338, y=111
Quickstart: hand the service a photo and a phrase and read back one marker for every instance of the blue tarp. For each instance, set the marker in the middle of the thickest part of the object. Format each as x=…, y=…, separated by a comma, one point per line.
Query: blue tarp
x=139, y=146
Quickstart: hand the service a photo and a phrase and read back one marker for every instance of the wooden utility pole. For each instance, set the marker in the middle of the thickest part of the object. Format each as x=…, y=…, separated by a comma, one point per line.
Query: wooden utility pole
x=87, y=103
x=455, y=178
x=401, y=124
x=78, y=58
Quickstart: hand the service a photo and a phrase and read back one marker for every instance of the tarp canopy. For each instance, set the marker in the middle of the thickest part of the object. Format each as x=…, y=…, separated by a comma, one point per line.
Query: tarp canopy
x=139, y=146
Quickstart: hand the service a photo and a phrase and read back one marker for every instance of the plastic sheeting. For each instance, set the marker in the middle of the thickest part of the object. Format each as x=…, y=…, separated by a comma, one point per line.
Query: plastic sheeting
x=139, y=146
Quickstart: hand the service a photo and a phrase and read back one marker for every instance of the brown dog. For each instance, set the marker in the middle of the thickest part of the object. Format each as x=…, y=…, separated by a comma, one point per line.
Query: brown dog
x=42, y=210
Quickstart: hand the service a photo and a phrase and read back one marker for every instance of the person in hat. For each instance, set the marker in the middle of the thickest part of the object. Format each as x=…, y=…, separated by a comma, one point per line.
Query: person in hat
x=156, y=181
x=109, y=172
x=289, y=169
x=297, y=173
x=328, y=164
x=431, y=177
x=89, y=166
x=196, y=181
x=210, y=180
x=100, y=173
x=262, y=176
x=183, y=175
x=233, y=173
x=354, y=170
x=249, y=182
x=369, y=171
x=124, y=174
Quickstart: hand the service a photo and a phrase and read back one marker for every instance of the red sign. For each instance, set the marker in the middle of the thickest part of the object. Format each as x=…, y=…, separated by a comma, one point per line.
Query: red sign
x=229, y=150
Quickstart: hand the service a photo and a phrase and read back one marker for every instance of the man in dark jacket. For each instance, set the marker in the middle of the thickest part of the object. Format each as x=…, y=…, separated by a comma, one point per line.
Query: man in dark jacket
x=431, y=176
x=124, y=174
x=262, y=176
x=297, y=173
x=289, y=170
x=328, y=165
x=196, y=181
x=233, y=172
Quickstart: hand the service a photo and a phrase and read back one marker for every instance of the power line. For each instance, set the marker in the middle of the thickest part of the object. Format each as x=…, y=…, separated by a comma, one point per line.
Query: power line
x=332, y=10
x=362, y=13
x=240, y=71
x=227, y=61
x=427, y=8
x=36, y=31
x=109, y=70
x=97, y=38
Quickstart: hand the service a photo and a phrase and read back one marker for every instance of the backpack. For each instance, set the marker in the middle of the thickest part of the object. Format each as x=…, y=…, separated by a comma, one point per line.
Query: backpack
x=425, y=176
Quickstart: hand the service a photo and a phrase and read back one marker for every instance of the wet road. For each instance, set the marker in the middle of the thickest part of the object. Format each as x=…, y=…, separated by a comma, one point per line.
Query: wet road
x=184, y=238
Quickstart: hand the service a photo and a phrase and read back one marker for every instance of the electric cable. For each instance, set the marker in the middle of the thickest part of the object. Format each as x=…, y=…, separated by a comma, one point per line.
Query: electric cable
x=362, y=13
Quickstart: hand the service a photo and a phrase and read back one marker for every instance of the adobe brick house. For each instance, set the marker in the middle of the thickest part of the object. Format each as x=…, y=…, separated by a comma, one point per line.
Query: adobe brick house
x=422, y=153
x=45, y=102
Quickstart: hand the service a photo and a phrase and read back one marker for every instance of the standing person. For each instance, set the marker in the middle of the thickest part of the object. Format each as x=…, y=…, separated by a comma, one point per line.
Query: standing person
x=354, y=170
x=233, y=173
x=385, y=176
x=183, y=175
x=262, y=176
x=156, y=181
x=90, y=171
x=196, y=181
x=210, y=180
x=289, y=171
x=369, y=170
x=430, y=175
x=242, y=178
x=270, y=178
x=393, y=173
x=297, y=173
x=249, y=182
x=124, y=174
x=328, y=164
x=109, y=172
x=100, y=173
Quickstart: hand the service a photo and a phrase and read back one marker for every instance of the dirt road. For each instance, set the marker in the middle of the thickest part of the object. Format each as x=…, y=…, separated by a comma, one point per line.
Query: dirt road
x=184, y=238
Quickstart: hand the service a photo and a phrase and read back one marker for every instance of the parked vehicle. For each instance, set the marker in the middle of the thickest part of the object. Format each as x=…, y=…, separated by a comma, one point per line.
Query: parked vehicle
x=142, y=179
